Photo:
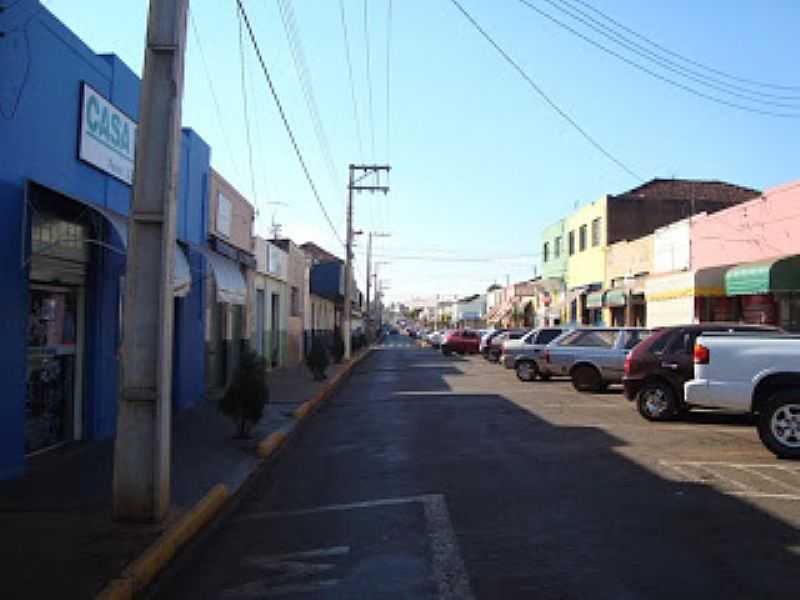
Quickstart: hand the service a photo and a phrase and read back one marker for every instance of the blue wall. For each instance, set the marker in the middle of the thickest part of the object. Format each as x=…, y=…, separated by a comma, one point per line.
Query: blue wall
x=42, y=65
x=326, y=278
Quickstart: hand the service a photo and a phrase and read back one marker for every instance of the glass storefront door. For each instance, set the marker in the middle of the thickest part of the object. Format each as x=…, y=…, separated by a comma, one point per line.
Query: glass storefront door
x=52, y=361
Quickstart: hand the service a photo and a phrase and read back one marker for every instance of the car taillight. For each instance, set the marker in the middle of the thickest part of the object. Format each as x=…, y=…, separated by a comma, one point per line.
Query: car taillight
x=547, y=356
x=701, y=354
x=628, y=363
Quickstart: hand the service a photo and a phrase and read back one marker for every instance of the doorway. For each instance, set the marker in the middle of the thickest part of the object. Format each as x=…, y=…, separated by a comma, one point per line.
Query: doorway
x=275, y=323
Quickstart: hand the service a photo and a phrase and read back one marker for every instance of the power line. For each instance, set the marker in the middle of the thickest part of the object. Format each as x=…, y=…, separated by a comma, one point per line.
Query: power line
x=652, y=73
x=350, y=74
x=369, y=78
x=285, y=120
x=754, y=95
x=306, y=84
x=683, y=57
x=544, y=96
x=246, y=117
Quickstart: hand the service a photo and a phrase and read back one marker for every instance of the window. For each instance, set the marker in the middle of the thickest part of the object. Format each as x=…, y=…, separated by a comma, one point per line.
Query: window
x=634, y=337
x=546, y=252
x=582, y=238
x=571, y=242
x=548, y=335
x=295, y=302
x=557, y=247
x=595, y=338
x=224, y=210
x=596, y=231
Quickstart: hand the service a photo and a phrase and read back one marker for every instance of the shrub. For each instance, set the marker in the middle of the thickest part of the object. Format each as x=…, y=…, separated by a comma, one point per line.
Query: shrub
x=248, y=393
x=317, y=359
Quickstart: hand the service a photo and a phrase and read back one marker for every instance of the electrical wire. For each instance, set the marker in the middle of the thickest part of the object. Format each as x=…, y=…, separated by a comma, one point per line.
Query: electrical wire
x=246, y=117
x=683, y=57
x=285, y=120
x=220, y=121
x=306, y=84
x=544, y=96
x=754, y=95
x=653, y=73
x=350, y=74
x=369, y=78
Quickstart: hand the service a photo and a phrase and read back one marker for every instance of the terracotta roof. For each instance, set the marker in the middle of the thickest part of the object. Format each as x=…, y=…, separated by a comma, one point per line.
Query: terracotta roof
x=684, y=189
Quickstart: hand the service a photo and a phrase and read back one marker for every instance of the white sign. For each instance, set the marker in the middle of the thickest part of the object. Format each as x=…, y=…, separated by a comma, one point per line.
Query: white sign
x=224, y=209
x=107, y=136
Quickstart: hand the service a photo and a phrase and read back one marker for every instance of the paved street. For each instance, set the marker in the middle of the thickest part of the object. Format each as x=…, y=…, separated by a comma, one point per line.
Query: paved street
x=445, y=477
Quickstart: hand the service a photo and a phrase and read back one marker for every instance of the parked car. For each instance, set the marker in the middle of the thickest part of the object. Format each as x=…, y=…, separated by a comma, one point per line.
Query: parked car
x=486, y=339
x=593, y=357
x=756, y=373
x=435, y=339
x=521, y=354
x=461, y=341
x=656, y=369
x=495, y=348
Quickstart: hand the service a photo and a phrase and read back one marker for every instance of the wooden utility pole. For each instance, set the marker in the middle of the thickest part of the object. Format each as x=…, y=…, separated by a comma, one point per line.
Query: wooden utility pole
x=142, y=449
x=354, y=186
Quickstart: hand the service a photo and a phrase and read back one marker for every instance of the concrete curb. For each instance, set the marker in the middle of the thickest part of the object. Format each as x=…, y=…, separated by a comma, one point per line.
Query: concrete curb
x=142, y=571
x=138, y=574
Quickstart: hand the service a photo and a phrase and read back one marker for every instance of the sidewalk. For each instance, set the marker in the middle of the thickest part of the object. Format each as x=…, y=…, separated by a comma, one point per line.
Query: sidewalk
x=58, y=538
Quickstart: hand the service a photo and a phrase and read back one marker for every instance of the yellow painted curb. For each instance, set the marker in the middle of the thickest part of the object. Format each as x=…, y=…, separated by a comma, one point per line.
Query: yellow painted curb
x=302, y=410
x=272, y=442
x=144, y=569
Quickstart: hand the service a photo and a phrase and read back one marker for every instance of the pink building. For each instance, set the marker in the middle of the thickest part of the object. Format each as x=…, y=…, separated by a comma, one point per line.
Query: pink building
x=759, y=240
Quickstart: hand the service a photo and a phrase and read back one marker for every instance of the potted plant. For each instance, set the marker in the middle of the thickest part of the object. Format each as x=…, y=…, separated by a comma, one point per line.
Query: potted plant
x=248, y=394
x=317, y=359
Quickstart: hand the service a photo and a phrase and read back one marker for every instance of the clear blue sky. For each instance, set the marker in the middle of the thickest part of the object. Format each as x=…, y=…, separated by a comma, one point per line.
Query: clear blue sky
x=480, y=163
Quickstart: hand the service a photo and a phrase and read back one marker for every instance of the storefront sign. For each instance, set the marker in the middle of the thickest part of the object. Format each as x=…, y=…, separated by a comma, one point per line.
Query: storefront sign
x=107, y=136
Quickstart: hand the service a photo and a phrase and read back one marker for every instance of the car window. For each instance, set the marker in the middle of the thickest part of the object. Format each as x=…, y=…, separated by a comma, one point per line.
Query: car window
x=684, y=342
x=548, y=335
x=634, y=337
x=516, y=335
x=660, y=342
x=602, y=338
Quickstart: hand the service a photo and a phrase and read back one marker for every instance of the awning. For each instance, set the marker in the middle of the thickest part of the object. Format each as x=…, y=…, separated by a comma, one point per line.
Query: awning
x=764, y=277
x=616, y=297
x=231, y=286
x=594, y=300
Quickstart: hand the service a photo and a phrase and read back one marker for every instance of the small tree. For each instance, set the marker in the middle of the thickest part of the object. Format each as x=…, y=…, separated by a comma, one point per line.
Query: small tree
x=248, y=393
x=337, y=348
x=317, y=359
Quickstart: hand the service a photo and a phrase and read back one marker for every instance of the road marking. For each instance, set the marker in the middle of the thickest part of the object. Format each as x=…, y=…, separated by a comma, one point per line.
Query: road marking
x=334, y=551
x=262, y=589
x=449, y=572
x=772, y=480
x=682, y=468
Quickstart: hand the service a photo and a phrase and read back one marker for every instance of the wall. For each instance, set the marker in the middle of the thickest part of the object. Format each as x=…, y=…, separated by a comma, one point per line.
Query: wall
x=626, y=259
x=241, y=218
x=671, y=247
x=589, y=266
x=327, y=279
x=760, y=229
x=555, y=267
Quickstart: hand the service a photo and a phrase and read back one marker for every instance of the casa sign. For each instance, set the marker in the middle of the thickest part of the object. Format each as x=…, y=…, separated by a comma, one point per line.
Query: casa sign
x=107, y=136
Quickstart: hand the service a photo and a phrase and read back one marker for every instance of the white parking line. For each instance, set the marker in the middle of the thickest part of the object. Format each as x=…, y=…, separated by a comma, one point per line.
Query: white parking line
x=691, y=472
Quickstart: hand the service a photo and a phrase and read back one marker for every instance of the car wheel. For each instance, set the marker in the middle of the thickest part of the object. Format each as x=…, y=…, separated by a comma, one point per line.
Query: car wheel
x=656, y=402
x=586, y=379
x=526, y=370
x=779, y=424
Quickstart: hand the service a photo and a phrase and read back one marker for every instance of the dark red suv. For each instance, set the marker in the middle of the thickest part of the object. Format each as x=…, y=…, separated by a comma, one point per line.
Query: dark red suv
x=656, y=369
x=461, y=341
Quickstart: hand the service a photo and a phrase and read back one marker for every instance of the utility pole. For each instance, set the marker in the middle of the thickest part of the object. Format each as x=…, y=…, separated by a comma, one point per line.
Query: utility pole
x=354, y=186
x=369, y=274
x=142, y=449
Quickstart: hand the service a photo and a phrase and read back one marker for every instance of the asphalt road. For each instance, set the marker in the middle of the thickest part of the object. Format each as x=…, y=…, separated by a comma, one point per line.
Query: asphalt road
x=445, y=477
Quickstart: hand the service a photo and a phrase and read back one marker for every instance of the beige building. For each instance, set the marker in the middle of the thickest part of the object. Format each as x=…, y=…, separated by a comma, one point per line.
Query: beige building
x=628, y=263
x=229, y=282
x=297, y=281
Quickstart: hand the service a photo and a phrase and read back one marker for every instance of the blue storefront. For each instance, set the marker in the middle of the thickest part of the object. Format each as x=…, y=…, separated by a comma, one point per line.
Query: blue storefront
x=67, y=133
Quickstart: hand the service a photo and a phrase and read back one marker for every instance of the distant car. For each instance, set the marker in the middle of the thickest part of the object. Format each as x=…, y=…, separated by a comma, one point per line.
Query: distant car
x=486, y=340
x=496, y=345
x=521, y=355
x=593, y=357
x=435, y=339
x=656, y=369
x=461, y=341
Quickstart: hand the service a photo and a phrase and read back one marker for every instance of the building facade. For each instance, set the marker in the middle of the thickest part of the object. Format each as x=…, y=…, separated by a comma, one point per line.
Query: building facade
x=270, y=315
x=298, y=285
x=66, y=171
x=628, y=264
x=586, y=240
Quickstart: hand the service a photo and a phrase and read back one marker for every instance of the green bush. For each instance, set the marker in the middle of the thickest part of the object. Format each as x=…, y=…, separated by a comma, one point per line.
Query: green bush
x=317, y=359
x=248, y=393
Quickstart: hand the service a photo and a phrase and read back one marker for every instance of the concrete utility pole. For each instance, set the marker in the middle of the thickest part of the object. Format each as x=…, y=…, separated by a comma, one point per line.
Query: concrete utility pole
x=369, y=273
x=353, y=186
x=142, y=450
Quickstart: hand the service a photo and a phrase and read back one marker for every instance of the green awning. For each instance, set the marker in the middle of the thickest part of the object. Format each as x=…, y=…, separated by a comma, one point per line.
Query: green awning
x=594, y=300
x=764, y=277
x=616, y=298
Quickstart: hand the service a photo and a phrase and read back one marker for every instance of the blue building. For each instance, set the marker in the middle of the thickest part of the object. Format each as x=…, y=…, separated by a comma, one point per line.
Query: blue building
x=67, y=124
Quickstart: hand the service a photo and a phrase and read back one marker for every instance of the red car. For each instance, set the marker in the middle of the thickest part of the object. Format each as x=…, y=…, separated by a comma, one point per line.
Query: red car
x=461, y=341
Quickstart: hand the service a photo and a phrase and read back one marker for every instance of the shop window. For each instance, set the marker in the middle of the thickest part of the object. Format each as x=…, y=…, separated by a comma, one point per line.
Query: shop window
x=582, y=238
x=596, y=232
